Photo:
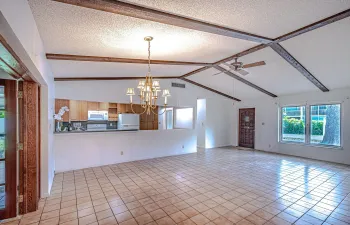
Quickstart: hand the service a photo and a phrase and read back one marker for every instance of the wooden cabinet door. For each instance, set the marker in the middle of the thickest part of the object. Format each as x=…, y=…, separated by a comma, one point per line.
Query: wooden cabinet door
x=59, y=103
x=121, y=108
x=103, y=106
x=74, y=110
x=143, y=126
x=83, y=113
x=155, y=125
x=93, y=106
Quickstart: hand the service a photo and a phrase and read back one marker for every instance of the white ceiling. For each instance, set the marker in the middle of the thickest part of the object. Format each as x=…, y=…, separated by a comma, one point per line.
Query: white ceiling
x=269, y=18
x=325, y=52
x=68, y=29
x=107, y=69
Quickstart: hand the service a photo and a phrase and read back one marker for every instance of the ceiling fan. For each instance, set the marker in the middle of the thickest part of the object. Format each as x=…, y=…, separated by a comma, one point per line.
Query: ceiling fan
x=238, y=67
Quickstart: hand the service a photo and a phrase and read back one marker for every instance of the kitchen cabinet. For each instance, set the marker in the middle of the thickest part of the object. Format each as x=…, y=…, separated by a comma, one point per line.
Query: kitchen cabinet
x=103, y=106
x=121, y=108
x=78, y=110
x=113, y=105
x=59, y=103
x=74, y=110
x=92, y=106
x=83, y=111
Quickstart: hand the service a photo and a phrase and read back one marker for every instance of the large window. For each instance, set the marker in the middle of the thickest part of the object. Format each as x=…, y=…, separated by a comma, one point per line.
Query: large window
x=293, y=124
x=325, y=124
x=316, y=124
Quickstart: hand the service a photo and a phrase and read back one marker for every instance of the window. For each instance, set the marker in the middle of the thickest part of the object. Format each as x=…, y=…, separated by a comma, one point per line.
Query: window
x=183, y=118
x=321, y=126
x=325, y=124
x=293, y=124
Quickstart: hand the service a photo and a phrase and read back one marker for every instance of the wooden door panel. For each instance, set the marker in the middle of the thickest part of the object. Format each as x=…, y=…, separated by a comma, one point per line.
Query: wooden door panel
x=246, y=127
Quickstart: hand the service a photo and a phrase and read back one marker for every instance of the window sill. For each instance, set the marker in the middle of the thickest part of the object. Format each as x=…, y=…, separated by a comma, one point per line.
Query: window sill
x=313, y=145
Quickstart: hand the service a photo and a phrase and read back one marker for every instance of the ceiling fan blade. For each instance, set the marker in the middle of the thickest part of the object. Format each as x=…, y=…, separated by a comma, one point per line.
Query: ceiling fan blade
x=242, y=72
x=261, y=63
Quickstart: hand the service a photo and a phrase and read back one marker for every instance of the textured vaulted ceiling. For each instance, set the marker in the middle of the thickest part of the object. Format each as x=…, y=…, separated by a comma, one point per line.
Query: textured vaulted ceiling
x=325, y=52
x=269, y=18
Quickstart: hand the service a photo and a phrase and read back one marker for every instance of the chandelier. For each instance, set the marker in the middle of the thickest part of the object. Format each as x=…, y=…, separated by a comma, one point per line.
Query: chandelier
x=148, y=89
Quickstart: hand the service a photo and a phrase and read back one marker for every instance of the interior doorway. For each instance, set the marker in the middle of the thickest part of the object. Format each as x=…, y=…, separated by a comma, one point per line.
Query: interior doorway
x=246, y=129
x=8, y=157
x=200, y=122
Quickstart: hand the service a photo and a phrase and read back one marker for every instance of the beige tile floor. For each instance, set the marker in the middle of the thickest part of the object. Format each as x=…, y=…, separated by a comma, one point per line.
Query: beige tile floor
x=219, y=186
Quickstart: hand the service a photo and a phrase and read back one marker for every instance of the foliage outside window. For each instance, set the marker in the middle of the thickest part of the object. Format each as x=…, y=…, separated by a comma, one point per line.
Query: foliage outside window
x=324, y=123
x=293, y=124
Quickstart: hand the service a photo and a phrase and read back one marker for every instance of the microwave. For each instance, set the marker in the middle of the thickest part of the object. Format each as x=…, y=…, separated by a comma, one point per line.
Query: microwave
x=98, y=115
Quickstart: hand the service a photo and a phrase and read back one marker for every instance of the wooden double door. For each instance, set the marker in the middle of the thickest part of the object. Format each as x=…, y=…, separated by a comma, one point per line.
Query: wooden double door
x=8, y=146
x=246, y=129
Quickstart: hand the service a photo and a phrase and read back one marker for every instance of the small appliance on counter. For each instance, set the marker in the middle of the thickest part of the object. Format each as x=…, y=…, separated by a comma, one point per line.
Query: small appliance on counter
x=128, y=121
x=98, y=115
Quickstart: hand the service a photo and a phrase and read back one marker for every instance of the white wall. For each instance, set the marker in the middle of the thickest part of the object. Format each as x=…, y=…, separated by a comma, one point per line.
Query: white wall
x=83, y=150
x=266, y=136
x=18, y=27
x=219, y=123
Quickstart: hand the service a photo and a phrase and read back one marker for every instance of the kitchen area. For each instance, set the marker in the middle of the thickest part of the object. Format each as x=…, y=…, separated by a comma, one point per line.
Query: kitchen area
x=89, y=116
x=92, y=133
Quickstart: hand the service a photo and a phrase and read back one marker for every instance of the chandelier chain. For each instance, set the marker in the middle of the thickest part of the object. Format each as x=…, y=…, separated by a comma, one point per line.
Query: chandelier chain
x=149, y=57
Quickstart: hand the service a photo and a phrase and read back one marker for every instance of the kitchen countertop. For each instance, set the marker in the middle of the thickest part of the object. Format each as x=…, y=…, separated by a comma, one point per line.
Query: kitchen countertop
x=92, y=131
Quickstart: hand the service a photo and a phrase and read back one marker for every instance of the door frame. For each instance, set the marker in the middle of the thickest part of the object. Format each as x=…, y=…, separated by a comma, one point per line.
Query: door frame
x=239, y=126
x=10, y=95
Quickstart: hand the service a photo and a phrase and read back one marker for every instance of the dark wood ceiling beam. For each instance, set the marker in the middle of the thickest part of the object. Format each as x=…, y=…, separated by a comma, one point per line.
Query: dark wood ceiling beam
x=210, y=89
x=142, y=12
x=244, y=81
x=52, y=56
x=297, y=65
x=107, y=78
x=195, y=71
x=313, y=26
x=240, y=54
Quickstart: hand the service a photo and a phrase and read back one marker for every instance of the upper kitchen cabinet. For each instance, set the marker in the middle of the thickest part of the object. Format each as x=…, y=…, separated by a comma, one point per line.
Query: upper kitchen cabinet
x=78, y=110
x=103, y=106
x=74, y=110
x=93, y=106
x=59, y=103
x=83, y=110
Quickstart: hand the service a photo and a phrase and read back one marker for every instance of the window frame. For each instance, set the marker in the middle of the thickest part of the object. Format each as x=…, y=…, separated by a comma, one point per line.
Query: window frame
x=341, y=133
x=308, y=125
x=281, y=125
x=174, y=118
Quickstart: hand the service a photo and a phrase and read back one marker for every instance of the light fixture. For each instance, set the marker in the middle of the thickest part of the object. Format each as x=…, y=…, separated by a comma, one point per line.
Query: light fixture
x=148, y=88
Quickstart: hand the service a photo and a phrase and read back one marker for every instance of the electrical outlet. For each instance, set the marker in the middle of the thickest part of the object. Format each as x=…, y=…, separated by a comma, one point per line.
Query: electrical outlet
x=122, y=153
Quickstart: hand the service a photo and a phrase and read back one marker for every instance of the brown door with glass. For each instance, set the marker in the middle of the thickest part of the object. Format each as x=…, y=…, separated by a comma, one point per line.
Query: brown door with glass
x=8, y=157
x=246, y=129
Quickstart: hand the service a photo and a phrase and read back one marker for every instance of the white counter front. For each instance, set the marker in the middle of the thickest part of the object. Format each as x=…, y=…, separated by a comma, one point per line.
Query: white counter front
x=82, y=150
